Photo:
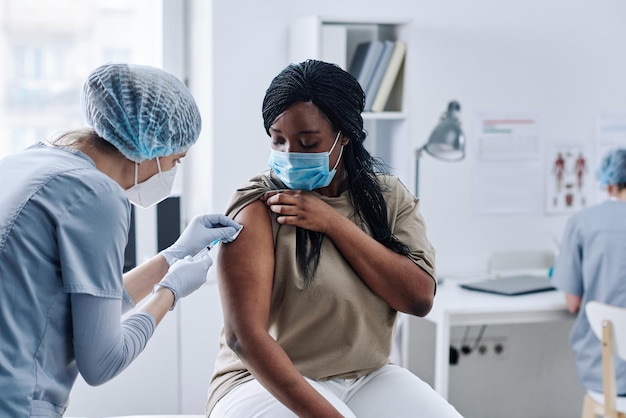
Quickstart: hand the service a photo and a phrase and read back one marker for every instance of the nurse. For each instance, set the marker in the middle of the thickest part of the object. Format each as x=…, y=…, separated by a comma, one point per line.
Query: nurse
x=591, y=266
x=64, y=221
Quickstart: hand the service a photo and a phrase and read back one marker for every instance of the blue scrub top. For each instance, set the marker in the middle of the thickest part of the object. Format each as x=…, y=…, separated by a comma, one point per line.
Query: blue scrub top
x=592, y=264
x=63, y=229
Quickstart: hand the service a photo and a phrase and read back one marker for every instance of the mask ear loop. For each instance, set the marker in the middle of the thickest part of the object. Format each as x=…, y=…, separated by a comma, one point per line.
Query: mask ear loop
x=334, y=143
x=338, y=158
x=136, y=172
x=137, y=169
x=340, y=151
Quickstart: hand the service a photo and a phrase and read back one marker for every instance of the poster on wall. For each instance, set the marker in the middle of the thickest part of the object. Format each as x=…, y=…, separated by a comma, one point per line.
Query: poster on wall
x=510, y=136
x=508, y=178
x=569, y=177
x=610, y=134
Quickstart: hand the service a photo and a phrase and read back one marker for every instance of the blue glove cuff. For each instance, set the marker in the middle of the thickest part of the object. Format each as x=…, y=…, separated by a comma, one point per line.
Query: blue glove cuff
x=169, y=255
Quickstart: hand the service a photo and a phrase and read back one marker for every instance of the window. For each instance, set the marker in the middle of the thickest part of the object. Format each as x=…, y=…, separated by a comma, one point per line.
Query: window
x=51, y=46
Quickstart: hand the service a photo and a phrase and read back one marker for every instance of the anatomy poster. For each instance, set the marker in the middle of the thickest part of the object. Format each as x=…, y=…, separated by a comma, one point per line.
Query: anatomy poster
x=570, y=184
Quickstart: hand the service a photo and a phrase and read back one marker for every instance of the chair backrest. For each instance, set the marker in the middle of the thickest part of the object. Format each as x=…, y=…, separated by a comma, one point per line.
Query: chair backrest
x=503, y=261
x=598, y=312
x=609, y=324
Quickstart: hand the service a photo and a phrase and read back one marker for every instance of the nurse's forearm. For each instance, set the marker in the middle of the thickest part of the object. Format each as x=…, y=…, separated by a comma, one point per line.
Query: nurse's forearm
x=159, y=304
x=139, y=281
x=102, y=345
x=572, y=302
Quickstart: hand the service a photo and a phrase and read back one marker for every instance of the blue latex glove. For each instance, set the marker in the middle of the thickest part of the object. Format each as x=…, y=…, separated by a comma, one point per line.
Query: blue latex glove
x=201, y=231
x=186, y=276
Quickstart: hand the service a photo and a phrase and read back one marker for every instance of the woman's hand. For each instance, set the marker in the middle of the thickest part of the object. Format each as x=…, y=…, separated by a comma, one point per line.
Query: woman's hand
x=301, y=208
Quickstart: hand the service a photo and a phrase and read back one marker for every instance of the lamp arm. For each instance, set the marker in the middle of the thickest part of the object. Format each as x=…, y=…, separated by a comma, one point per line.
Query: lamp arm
x=418, y=155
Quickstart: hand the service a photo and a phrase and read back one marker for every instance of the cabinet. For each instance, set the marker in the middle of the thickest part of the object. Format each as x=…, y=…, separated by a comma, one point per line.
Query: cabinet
x=335, y=40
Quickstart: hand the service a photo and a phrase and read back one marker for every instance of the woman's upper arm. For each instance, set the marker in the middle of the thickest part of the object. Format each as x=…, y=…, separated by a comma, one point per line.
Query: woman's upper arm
x=246, y=270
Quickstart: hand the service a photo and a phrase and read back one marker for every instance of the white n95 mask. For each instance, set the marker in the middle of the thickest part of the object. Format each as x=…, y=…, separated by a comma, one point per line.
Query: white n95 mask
x=154, y=190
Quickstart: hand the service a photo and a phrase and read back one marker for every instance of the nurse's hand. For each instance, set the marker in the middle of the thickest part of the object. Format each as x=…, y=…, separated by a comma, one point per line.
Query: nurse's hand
x=201, y=231
x=186, y=276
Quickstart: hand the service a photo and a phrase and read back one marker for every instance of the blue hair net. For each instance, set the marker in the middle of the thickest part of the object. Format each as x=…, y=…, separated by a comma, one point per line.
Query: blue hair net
x=143, y=111
x=613, y=168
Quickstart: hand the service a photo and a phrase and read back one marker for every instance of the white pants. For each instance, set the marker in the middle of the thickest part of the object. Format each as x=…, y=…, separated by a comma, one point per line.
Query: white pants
x=389, y=392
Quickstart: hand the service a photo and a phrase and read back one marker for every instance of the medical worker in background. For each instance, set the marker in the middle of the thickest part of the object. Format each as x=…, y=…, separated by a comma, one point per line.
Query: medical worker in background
x=64, y=221
x=592, y=266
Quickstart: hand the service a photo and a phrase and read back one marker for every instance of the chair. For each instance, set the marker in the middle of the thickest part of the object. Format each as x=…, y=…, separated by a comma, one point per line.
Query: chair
x=609, y=324
x=509, y=262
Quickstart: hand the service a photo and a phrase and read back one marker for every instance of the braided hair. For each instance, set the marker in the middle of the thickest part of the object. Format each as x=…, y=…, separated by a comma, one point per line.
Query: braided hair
x=341, y=99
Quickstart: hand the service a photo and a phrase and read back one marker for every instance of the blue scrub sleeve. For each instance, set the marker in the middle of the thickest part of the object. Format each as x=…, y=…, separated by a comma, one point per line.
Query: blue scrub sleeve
x=91, y=235
x=567, y=274
x=103, y=344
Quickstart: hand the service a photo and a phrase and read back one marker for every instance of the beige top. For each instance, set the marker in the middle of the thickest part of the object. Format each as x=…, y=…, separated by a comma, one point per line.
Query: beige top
x=336, y=328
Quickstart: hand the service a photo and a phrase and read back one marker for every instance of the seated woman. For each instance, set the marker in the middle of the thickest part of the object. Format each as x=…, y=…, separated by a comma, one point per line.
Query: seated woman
x=338, y=250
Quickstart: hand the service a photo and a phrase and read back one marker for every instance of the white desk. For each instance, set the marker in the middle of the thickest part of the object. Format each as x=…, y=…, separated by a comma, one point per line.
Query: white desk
x=455, y=306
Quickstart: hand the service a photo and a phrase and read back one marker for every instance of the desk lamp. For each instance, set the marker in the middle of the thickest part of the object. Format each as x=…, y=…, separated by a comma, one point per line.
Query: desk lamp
x=446, y=142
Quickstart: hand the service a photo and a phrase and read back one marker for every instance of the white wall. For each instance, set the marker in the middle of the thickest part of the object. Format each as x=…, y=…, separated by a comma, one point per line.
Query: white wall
x=562, y=58
x=559, y=57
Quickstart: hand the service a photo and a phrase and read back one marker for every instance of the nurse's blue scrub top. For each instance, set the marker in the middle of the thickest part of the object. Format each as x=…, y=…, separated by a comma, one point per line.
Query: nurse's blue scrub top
x=592, y=264
x=63, y=229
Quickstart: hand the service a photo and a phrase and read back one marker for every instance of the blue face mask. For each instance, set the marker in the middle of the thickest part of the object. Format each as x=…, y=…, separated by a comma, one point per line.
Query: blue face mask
x=304, y=170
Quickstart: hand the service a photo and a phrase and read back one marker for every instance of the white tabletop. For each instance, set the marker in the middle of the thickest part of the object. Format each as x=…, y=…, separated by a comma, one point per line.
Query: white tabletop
x=454, y=306
x=464, y=306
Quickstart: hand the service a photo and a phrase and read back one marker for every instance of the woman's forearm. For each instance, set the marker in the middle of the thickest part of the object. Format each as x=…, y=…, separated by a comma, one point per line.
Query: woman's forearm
x=392, y=276
x=140, y=281
x=573, y=302
x=271, y=366
x=159, y=304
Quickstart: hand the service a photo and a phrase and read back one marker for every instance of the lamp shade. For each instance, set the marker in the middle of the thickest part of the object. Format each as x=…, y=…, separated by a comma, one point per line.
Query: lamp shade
x=447, y=141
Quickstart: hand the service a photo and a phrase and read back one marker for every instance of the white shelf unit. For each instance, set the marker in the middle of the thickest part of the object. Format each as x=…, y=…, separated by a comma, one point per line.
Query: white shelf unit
x=335, y=40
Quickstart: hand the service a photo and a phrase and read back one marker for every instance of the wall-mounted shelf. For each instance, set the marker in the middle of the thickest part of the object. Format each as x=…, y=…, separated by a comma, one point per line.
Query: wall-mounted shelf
x=335, y=39
x=387, y=115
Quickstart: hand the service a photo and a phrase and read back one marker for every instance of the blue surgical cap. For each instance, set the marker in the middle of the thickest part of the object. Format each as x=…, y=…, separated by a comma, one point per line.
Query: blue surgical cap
x=143, y=111
x=613, y=168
